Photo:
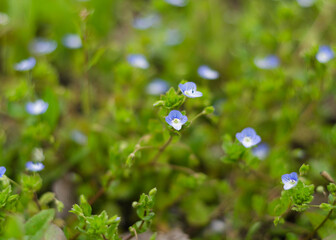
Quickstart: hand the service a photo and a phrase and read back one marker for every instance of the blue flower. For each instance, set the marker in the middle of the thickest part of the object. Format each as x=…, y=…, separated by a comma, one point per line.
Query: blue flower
x=289, y=180
x=176, y=119
x=261, y=151
x=146, y=22
x=173, y=37
x=2, y=171
x=79, y=137
x=4, y=19
x=41, y=46
x=324, y=54
x=177, y=3
x=268, y=62
x=34, y=167
x=248, y=137
x=157, y=87
x=138, y=60
x=189, y=89
x=72, y=41
x=207, y=73
x=306, y=3
x=25, y=65
x=36, y=108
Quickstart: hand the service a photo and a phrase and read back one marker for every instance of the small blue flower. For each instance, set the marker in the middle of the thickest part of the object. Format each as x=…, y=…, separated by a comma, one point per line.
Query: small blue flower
x=79, y=137
x=41, y=46
x=268, y=62
x=189, y=89
x=324, y=54
x=306, y=3
x=25, y=65
x=207, y=73
x=173, y=37
x=248, y=137
x=157, y=87
x=146, y=22
x=177, y=3
x=138, y=60
x=34, y=167
x=261, y=151
x=176, y=119
x=289, y=180
x=2, y=171
x=72, y=41
x=36, y=108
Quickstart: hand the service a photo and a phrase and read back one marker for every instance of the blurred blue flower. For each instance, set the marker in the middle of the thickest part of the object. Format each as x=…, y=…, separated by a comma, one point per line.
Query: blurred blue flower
x=261, y=151
x=177, y=3
x=79, y=137
x=268, y=62
x=2, y=171
x=157, y=87
x=36, y=108
x=4, y=19
x=72, y=41
x=306, y=3
x=248, y=137
x=189, y=89
x=146, y=22
x=138, y=60
x=41, y=46
x=324, y=54
x=289, y=180
x=173, y=37
x=25, y=65
x=207, y=73
x=176, y=119
x=34, y=167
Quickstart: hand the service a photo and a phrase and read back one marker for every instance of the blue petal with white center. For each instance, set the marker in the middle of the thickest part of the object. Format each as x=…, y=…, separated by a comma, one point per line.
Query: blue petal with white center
x=324, y=54
x=177, y=3
x=34, y=167
x=207, y=73
x=306, y=3
x=176, y=119
x=2, y=171
x=138, y=60
x=72, y=41
x=41, y=46
x=268, y=62
x=36, y=108
x=261, y=151
x=289, y=180
x=248, y=137
x=189, y=89
x=25, y=65
x=157, y=87
x=146, y=22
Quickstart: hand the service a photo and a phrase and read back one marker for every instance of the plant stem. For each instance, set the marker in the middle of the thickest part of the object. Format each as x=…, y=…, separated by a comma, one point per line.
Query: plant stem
x=161, y=149
x=310, y=236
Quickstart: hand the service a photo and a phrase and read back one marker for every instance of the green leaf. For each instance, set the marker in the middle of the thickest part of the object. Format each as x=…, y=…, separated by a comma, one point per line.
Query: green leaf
x=99, y=53
x=46, y=198
x=36, y=226
x=329, y=227
x=304, y=169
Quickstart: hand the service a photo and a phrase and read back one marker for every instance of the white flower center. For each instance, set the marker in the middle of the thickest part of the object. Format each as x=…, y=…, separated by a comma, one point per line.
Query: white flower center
x=176, y=120
x=190, y=92
x=292, y=181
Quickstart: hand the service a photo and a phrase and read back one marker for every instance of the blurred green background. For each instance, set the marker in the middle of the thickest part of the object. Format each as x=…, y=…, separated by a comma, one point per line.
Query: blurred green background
x=95, y=93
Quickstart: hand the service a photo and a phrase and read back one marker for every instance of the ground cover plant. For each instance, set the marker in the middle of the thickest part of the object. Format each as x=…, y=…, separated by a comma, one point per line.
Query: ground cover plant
x=167, y=119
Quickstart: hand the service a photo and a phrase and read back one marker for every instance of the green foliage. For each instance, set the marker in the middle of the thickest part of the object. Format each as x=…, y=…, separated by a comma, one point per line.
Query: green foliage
x=105, y=138
x=96, y=226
